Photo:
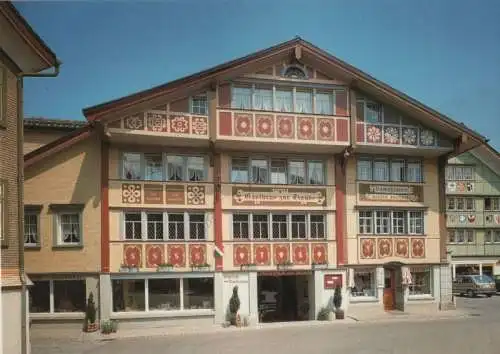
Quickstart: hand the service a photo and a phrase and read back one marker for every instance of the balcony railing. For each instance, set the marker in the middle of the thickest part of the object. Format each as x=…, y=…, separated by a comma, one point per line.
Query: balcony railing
x=474, y=249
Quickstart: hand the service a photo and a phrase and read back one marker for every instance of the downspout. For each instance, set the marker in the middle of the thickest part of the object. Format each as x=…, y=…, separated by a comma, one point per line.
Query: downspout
x=20, y=191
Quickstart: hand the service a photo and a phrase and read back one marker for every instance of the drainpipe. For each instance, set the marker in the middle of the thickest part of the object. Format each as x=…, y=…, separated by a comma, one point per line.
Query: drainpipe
x=20, y=191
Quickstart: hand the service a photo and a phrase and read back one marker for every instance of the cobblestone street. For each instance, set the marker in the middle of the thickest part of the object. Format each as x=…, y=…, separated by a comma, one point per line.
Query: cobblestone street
x=398, y=336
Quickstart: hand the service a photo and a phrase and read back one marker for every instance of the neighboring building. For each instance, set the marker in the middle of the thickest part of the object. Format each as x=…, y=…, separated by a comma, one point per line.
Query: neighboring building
x=473, y=211
x=62, y=218
x=40, y=131
x=22, y=54
x=257, y=173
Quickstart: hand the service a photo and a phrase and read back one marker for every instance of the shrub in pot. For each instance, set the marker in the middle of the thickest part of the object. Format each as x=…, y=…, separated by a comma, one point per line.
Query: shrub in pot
x=323, y=314
x=90, y=324
x=234, y=306
x=337, y=303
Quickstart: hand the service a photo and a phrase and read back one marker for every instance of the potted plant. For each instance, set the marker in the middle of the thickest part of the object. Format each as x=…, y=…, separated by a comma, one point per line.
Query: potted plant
x=320, y=265
x=201, y=267
x=234, y=307
x=90, y=324
x=323, y=314
x=337, y=303
x=164, y=267
x=123, y=268
x=248, y=266
x=108, y=327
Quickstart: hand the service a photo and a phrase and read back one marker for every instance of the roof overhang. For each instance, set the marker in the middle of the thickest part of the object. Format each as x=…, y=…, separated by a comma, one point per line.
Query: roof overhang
x=463, y=137
x=489, y=156
x=21, y=44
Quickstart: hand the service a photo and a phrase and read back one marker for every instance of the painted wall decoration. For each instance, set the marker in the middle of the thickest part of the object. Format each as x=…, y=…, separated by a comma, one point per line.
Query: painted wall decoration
x=131, y=193
x=394, y=134
x=176, y=254
x=242, y=254
x=367, y=248
x=300, y=253
x=135, y=122
x=326, y=129
x=281, y=253
x=459, y=187
x=306, y=128
x=132, y=255
x=418, y=247
x=384, y=247
x=319, y=253
x=175, y=194
x=197, y=254
x=159, y=121
x=196, y=195
x=270, y=196
x=402, y=248
x=286, y=127
x=154, y=255
x=199, y=126
x=262, y=254
x=156, y=122
x=492, y=219
x=390, y=192
x=153, y=194
x=265, y=126
x=243, y=124
x=179, y=124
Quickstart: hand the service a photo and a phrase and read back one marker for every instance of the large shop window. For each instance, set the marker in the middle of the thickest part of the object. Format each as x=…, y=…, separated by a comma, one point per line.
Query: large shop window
x=163, y=294
x=461, y=236
x=421, y=281
x=281, y=226
x=283, y=99
x=460, y=173
x=147, y=225
x=364, y=284
x=163, y=167
x=461, y=204
x=277, y=171
x=387, y=222
x=389, y=170
x=56, y=296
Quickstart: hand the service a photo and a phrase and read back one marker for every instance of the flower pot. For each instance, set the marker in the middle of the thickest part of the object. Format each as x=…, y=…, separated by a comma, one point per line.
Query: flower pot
x=331, y=316
x=124, y=269
x=91, y=327
x=133, y=269
x=339, y=314
x=320, y=266
x=201, y=269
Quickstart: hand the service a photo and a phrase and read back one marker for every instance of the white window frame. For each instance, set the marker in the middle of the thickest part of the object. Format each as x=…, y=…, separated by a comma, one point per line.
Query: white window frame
x=166, y=221
x=421, y=269
x=460, y=173
x=165, y=171
x=493, y=236
x=269, y=225
x=361, y=296
x=59, y=242
x=453, y=203
x=51, y=297
x=459, y=233
x=173, y=312
x=371, y=160
x=36, y=215
x=196, y=109
x=367, y=221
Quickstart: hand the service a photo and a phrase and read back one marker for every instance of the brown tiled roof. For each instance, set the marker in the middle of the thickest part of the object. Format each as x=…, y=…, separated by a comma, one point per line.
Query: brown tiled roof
x=53, y=124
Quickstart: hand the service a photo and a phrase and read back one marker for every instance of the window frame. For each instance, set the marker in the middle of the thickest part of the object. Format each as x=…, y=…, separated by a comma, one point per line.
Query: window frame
x=465, y=233
x=166, y=225
x=453, y=203
x=52, y=307
x=452, y=172
x=288, y=228
x=356, y=296
x=33, y=210
x=371, y=160
x=421, y=269
x=59, y=210
x=366, y=221
x=192, y=105
x=493, y=239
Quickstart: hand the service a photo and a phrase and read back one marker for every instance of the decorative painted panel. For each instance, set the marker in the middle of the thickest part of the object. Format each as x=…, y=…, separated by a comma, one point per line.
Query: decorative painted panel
x=384, y=247
x=300, y=253
x=390, y=247
x=319, y=253
x=464, y=219
x=492, y=219
x=418, y=248
x=402, y=248
x=197, y=254
x=367, y=248
x=176, y=254
x=237, y=125
x=281, y=253
x=242, y=254
x=262, y=254
x=272, y=196
x=461, y=187
x=132, y=255
x=155, y=255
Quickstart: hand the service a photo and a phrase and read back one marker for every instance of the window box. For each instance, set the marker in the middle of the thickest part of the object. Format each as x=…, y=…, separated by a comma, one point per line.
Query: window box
x=320, y=265
x=285, y=265
x=128, y=269
x=200, y=267
x=164, y=267
x=248, y=267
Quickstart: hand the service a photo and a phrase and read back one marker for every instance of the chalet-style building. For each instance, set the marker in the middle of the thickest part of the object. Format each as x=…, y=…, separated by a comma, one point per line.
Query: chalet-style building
x=286, y=171
x=22, y=54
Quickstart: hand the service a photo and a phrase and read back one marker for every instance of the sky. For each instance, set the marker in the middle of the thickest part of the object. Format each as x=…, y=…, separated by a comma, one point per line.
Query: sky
x=444, y=53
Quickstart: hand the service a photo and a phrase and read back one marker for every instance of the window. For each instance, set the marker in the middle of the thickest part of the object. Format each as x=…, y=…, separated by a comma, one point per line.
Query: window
x=242, y=98
x=133, y=226
x=461, y=236
x=294, y=72
x=394, y=170
x=69, y=229
x=31, y=235
x=492, y=203
x=279, y=226
x=284, y=100
x=159, y=294
x=196, y=226
x=324, y=103
x=373, y=112
x=276, y=171
x=303, y=102
x=461, y=204
x=155, y=226
x=56, y=296
x=263, y=99
x=460, y=173
x=318, y=227
x=492, y=236
x=240, y=226
x=397, y=222
x=422, y=281
x=199, y=105
x=175, y=226
x=364, y=283
x=159, y=167
x=198, y=293
x=282, y=226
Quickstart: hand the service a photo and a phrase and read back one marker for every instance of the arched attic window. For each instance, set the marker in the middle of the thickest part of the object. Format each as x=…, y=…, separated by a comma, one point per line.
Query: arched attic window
x=295, y=72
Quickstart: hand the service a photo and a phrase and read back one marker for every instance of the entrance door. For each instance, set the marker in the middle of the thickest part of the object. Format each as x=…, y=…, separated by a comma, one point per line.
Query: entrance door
x=389, y=289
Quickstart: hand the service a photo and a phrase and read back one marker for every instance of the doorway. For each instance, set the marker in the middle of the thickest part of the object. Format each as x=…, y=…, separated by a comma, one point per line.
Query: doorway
x=389, y=289
x=283, y=298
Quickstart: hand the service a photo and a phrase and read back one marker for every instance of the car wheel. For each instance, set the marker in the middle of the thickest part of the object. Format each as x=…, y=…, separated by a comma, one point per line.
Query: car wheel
x=488, y=295
x=470, y=293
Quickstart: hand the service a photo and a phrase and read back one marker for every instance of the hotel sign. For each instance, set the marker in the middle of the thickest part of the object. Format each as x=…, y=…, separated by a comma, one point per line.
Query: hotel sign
x=390, y=192
x=269, y=196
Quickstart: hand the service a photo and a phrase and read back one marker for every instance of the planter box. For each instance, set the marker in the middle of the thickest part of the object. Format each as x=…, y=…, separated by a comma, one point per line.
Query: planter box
x=284, y=266
x=124, y=269
x=200, y=269
x=320, y=266
x=164, y=268
x=248, y=267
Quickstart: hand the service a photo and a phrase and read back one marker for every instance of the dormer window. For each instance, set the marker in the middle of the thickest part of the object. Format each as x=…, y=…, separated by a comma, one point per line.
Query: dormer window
x=294, y=72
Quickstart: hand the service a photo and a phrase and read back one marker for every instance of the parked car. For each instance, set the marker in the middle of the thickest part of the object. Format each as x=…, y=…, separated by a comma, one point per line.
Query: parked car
x=473, y=285
x=497, y=282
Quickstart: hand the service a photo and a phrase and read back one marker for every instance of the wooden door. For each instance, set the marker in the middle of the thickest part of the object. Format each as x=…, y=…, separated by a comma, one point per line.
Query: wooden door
x=389, y=289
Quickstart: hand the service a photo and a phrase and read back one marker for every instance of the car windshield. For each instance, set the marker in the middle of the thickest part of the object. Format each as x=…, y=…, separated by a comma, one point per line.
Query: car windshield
x=482, y=278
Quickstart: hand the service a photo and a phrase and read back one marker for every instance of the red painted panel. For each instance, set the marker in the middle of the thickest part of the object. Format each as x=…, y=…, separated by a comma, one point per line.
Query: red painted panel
x=225, y=96
x=360, y=133
x=341, y=103
x=331, y=281
x=225, y=124
x=342, y=130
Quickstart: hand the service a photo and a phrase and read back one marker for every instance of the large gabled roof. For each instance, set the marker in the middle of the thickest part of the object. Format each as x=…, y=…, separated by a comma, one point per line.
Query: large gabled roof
x=357, y=78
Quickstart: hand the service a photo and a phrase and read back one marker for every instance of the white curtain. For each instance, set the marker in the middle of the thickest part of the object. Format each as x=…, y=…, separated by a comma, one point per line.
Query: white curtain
x=284, y=101
x=324, y=103
x=263, y=99
x=242, y=98
x=303, y=102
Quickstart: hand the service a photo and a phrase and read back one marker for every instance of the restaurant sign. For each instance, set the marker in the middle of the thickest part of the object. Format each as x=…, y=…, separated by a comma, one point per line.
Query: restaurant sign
x=269, y=196
x=390, y=192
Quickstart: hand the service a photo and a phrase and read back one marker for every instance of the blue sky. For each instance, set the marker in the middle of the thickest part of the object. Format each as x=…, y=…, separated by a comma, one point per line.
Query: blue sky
x=445, y=53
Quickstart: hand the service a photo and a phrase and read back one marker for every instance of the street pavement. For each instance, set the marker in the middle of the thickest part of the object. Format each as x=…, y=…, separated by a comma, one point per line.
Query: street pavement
x=478, y=332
